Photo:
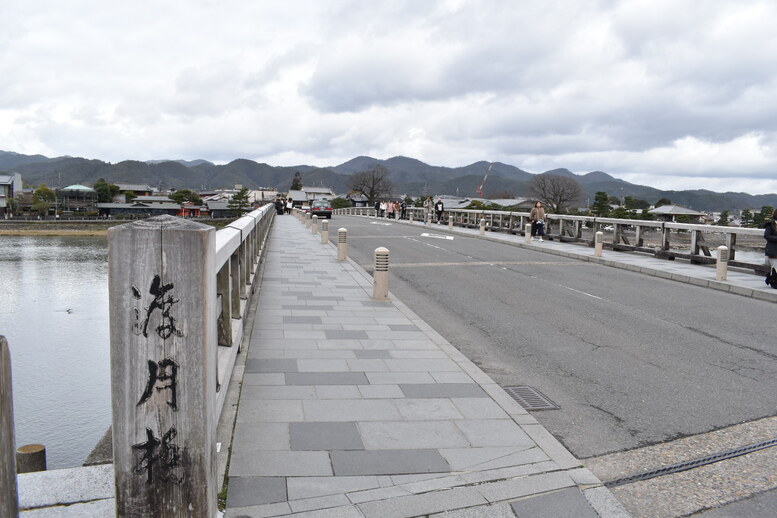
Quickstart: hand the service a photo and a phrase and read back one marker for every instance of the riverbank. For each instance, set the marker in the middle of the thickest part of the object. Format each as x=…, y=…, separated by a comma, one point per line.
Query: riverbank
x=74, y=228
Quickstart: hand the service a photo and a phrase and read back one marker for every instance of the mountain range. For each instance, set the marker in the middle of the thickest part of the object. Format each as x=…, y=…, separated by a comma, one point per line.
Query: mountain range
x=409, y=176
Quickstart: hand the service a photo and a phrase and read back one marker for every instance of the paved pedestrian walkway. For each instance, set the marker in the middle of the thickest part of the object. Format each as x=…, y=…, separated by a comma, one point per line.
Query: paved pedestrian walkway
x=352, y=407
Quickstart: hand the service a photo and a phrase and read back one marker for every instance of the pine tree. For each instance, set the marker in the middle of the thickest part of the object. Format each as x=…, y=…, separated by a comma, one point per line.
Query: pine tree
x=239, y=203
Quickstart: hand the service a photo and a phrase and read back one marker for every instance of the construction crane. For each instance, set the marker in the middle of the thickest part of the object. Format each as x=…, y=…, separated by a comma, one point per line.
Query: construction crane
x=479, y=190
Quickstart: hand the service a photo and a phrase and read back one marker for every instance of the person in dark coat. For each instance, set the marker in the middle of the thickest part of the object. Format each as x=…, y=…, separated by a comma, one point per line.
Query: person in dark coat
x=439, y=208
x=770, y=234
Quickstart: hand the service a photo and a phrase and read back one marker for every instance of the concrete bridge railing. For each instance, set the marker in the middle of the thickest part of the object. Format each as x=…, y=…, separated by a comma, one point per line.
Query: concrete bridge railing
x=179, y=291
x=623, y=234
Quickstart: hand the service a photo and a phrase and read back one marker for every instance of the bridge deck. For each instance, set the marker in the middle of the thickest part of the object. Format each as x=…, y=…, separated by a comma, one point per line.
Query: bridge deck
x=356, y=408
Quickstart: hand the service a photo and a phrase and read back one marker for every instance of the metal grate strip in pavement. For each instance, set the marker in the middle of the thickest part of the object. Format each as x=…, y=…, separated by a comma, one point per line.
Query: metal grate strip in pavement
x=530, y=398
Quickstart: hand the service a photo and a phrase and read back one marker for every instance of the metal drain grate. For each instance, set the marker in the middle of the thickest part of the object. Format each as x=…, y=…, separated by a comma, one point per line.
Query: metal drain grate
x=691, y=464
x=530, y=398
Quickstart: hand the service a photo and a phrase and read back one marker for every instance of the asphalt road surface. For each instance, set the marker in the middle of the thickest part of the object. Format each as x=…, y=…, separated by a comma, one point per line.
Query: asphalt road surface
x=631, y=360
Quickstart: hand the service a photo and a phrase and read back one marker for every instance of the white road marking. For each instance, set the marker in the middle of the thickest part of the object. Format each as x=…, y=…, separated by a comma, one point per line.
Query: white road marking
x=583, y=293
x=437, y=236
x=379, y=223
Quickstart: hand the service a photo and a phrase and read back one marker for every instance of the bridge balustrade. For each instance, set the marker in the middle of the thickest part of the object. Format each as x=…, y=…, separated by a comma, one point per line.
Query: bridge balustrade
x=624, y=234
x=179, y=291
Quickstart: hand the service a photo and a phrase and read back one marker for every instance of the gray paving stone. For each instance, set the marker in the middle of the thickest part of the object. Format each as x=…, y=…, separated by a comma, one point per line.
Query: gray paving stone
x=566, y=503
x=346, y=335
x=311, y=487
x=421, y=505
x=328, y=410
x=277, y=392
x=269, y=365
x=388, y=462
x=326, y=378
x=428, y=409
x=520, y=487
x=245, y=491
x=323, y=365
x=253, y=437
x=319, y=503
x=424, y=365
x=325, y=436
x=301, y=320
x=380, y=392
x=281, y=464
x=474, y=408
x=411, y=435
x=483, y=511
x=494, y=432
x=373, y=354
x=443, y=390
x=489, y=458
x=258, y=511
x=339, y=391
x=399, y=378
x=264, y=379
x=262, y=410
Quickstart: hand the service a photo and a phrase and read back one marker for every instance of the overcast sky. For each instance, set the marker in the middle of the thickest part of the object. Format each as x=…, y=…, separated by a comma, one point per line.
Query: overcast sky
x=669, y=93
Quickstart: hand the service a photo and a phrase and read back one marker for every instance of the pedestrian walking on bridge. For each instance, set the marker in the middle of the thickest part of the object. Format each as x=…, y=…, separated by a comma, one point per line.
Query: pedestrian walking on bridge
x=537, y=218
x=770, y=234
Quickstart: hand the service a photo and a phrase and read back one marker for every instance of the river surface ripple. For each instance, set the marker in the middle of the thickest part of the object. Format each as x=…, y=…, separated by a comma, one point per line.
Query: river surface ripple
x=54, y=314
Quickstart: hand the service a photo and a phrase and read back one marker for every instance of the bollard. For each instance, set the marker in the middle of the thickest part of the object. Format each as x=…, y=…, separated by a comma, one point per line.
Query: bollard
x=450, y=221
x=380, y=288
x=482, y=226
x=9, y=494
x=30, y=457
x=721, y=266
x=308, y=220
x=342, y=245
x=527, y=233
x=324, y=232
x=411, y=216
x=314, y=225
x=428, y=219
x=598, y=243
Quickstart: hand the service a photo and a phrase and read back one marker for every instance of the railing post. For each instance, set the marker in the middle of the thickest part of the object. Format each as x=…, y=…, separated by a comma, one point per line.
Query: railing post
x=380, y=288
x=721, y=266
x=527, y=233
x=324, y=232
x=9, y=495
x=482, y=226
x=30, y=458
x=598, y=243
x=314, y=225
x=342, y=244
x=162, y=288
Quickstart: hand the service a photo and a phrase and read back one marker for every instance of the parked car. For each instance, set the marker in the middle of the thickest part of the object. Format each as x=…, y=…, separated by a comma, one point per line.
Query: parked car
x=321, y=208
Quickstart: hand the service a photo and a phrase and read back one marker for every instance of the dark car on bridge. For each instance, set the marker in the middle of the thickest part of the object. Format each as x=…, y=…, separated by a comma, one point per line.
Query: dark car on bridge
x=321, y=208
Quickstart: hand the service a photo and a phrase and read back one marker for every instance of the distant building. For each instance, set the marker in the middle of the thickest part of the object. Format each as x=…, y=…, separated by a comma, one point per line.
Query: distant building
x=140, y=189
x=10, y=186
x=318, y=193
x=298, y=198
x=671, y=212
x=76, y=198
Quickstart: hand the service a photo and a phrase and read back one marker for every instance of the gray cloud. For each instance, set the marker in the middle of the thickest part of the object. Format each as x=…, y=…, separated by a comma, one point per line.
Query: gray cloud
x=680, y=94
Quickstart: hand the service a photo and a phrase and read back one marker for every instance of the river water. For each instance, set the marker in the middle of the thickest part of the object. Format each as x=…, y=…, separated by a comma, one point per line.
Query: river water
x=54, y=314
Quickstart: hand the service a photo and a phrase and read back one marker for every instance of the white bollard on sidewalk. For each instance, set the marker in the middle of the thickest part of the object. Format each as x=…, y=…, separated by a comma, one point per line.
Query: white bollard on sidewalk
x=527, y=233
x=324, y=232
x=598, y=243
x=380, y=288
x=721, y=266
x=342, y=245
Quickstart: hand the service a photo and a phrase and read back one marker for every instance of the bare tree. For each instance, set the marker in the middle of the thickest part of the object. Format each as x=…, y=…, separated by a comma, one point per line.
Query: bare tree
x=373, y=183
x=555, y=191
